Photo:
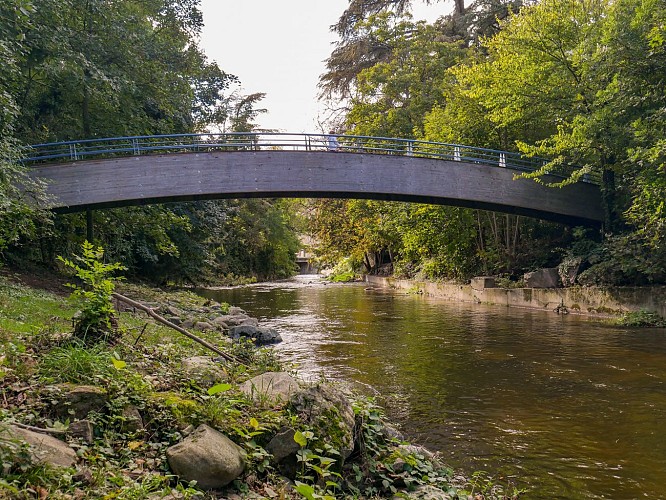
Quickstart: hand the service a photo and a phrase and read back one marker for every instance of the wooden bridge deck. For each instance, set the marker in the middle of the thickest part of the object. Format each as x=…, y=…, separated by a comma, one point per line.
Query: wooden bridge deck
x=132, y=180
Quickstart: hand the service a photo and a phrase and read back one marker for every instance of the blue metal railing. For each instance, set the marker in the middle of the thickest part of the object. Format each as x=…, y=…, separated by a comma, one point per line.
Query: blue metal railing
x=268, y=141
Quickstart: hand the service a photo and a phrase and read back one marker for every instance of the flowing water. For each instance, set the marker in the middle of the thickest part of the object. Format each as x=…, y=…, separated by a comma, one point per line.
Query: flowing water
x=561, y=405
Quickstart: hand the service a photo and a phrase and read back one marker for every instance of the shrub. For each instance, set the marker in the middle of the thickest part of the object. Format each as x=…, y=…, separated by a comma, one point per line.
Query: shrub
x=97, y=319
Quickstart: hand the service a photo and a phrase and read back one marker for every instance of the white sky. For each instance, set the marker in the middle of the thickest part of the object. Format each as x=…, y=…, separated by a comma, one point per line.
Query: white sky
x=279, y=47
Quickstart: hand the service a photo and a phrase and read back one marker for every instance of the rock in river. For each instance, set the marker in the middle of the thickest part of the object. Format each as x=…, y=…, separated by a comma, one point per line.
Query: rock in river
x=261, y=335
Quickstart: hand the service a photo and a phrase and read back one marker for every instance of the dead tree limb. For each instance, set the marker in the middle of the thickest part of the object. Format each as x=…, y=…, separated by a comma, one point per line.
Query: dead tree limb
x=150, y=312
x=38, y=429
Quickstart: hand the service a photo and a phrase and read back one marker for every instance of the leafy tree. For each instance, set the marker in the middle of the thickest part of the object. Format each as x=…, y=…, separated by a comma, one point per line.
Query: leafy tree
x=392, y=97
x=86, y=68
x=19, y=208
x=539, y=76
x=111, y=68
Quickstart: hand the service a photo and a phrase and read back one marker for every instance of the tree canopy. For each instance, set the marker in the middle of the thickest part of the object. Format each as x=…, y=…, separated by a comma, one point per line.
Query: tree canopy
x=579, y=83
x=76, y=69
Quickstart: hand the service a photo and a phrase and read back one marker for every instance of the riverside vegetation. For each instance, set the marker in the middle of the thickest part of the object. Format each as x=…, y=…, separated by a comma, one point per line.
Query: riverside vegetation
x=121, y=405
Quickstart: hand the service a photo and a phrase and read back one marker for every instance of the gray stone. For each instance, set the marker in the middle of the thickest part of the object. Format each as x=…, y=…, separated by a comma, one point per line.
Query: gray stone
x=284, y=448
x=220, y=323
x=389, y=432
x=43, y=448
x=283, y=445
x=132, y=420
x=327, y=408
x=235, y=311
x=413, y=449
x=424, y=492
x=207, y=457
x=175, y=320
x=173, y=311
x=543, y=278
x=203, y=370
x=82, y=429
x=249, y=321
x=483, y=282
x=82, y=400
x=203, y=326
x=270, y=386
x=248, y=331
x=261, y=336
x=230, y=320
x=188, y=323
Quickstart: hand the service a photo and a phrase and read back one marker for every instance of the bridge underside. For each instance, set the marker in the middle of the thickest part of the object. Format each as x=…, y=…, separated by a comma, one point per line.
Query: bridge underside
x=138, y=180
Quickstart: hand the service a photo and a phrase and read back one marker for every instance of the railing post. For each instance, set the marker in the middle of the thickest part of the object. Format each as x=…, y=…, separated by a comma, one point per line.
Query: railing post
x=410, y=148
x=456, y=153
x=502, y=160
x=72, y=152
x=135, y=147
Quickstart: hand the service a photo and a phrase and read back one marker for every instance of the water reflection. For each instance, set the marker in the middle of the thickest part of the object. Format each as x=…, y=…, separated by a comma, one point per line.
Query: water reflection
x=573, y=408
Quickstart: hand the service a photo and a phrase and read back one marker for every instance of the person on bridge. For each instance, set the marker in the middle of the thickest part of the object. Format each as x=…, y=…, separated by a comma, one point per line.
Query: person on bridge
x=333, y=144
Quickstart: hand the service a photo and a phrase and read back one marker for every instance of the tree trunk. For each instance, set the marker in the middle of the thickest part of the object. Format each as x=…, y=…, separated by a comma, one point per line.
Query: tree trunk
x=608, y=197
x=366, y=262
x=85, y=102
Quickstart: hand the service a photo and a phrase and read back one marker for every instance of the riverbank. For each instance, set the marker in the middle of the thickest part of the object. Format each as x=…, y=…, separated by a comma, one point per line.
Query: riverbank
x=602, y=302
x=119, y=415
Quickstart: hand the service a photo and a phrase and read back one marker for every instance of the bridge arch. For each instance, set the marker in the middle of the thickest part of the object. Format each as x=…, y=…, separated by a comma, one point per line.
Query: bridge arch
x=312, y=173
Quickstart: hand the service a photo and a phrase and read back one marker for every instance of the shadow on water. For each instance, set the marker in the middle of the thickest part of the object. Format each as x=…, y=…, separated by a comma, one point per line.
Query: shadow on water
x=566, y=406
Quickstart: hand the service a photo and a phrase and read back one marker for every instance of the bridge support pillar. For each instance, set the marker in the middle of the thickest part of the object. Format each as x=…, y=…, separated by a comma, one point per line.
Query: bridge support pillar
x=89, y=225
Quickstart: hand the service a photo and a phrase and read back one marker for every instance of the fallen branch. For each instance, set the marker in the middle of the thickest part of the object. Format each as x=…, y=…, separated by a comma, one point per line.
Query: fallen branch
x=168, y=323
x=38, y=429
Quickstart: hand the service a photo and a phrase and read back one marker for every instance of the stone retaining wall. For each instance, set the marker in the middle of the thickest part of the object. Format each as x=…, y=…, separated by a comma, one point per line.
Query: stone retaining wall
x=582, y=300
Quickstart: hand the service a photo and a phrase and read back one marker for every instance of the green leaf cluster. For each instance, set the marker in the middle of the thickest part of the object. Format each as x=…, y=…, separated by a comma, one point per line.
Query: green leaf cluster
x=95, y=293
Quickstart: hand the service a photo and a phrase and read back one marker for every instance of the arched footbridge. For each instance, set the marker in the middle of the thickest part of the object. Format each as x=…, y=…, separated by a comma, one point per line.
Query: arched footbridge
x=103, y=173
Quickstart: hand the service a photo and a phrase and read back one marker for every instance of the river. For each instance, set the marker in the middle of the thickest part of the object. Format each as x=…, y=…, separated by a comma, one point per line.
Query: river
x=563, y=406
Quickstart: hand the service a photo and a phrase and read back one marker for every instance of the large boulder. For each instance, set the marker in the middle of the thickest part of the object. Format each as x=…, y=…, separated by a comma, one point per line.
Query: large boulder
x=543, y=278
x=203, y=326
x=270, y=386
x=260, y=335
x=329, y=411
x=207, y=457
x=43, y=448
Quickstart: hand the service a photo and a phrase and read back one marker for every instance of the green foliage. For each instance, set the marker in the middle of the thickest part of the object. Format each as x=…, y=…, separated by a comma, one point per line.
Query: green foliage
x=343, y=277
x=315, y=467
x=386, y=468
x=97, y=312
x=392, y=96
x=641, y=318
